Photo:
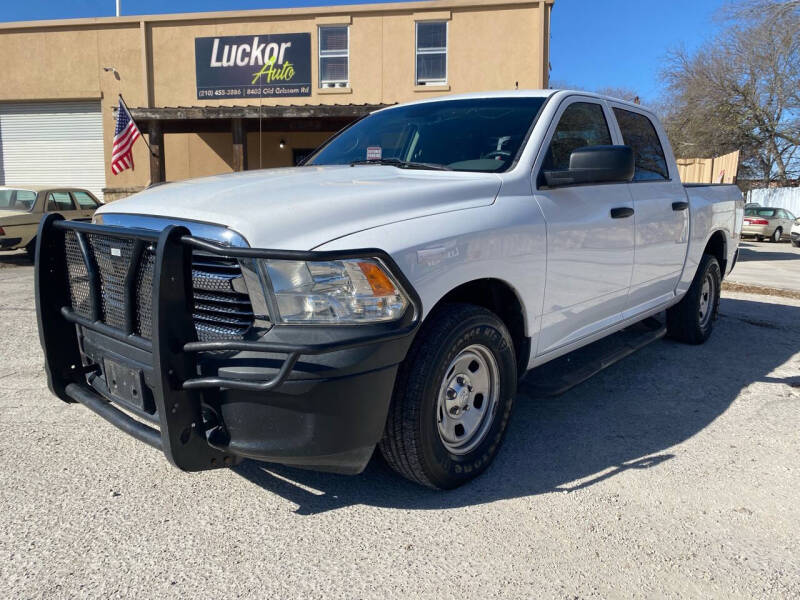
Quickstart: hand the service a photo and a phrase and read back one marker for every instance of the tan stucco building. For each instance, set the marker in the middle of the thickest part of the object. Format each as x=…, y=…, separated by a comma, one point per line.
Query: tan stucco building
x=206, y=87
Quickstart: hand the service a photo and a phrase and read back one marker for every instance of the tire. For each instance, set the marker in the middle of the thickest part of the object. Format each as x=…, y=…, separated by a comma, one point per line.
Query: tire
x=30, y=248
x=688, y=321
x=759, y=238
x=796, y=243
x=776, y=235
x=422, y=443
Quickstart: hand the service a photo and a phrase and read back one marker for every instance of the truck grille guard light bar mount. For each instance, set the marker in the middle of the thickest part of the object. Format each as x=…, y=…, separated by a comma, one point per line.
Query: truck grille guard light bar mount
x=174, y=346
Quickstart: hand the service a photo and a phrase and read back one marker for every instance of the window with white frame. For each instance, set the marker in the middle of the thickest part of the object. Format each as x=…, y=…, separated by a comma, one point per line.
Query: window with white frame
x=431, y=53
x=334, y=56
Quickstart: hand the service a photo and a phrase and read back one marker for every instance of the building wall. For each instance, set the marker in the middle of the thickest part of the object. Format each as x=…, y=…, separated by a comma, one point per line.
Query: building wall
x=492, y=44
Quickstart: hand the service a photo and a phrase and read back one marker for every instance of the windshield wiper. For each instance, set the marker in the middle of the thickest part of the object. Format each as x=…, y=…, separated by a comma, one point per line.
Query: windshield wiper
x=402, y=164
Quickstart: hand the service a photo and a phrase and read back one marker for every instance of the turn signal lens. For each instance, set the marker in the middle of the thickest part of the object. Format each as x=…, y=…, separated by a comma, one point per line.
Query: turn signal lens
x=378, y=280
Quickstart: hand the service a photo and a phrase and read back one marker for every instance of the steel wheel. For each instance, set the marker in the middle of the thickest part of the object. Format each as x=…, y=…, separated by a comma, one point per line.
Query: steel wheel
x=468, y=398
x=776, y=235
x=706, y=304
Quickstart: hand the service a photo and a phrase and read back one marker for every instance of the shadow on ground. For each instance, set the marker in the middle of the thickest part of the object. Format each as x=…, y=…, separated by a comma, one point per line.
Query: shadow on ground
x=15, y=259
x=782, y=251
x=626, y=418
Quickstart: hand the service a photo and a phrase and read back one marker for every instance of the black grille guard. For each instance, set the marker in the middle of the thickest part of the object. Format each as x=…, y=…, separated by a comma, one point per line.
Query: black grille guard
x=174, y=346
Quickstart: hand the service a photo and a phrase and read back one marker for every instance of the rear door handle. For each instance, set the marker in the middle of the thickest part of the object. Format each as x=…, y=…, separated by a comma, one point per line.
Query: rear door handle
x=621, y=212
x=680, y=205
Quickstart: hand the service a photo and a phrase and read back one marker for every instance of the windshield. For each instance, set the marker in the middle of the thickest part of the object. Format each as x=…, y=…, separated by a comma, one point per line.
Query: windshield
x=483, y=134
x=759, y=212
x=11, y=199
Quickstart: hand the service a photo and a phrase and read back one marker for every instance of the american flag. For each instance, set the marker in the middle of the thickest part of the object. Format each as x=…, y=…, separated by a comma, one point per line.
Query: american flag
x=125, y=135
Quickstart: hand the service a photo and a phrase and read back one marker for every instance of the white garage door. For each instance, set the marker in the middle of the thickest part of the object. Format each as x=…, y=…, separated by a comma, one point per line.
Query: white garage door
x=52, y=143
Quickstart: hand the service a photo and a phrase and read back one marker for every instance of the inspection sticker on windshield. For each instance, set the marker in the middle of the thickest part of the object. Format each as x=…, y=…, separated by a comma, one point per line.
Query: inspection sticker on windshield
x=374, y=153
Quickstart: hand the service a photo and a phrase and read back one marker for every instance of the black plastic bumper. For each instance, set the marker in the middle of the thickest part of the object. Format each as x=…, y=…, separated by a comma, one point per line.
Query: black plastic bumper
x=303, y=395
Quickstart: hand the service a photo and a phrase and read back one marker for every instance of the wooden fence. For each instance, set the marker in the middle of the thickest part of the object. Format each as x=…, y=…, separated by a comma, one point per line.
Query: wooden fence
x=720, y=169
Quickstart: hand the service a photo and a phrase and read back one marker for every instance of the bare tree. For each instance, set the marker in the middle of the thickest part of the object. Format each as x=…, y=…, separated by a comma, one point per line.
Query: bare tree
x=622, y=93
x=741, y=90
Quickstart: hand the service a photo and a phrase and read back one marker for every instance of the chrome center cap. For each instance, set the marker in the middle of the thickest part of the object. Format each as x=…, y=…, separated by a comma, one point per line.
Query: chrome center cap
x=459, y=392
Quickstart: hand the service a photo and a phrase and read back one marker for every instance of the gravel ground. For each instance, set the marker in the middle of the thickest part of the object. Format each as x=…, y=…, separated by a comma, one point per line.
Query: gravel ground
x=673, y=473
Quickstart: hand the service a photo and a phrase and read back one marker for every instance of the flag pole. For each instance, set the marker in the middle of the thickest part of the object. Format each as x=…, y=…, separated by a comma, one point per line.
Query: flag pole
x=152, y=153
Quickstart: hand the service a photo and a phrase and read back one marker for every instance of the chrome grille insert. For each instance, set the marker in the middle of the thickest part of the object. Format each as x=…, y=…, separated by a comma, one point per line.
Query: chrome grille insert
x=222, y=307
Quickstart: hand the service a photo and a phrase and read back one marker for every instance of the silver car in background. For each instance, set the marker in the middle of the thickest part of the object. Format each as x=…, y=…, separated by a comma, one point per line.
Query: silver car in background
x=767, y=223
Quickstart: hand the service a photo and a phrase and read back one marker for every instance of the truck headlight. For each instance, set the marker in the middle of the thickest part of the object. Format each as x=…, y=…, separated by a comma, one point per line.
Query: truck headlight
x=337, y=291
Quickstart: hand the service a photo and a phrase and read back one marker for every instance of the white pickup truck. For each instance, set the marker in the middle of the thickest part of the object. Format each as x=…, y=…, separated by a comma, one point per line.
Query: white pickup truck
x=390, y=292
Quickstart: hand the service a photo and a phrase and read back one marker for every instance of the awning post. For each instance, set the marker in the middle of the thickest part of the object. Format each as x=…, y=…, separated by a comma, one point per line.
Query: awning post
x=157, y=167
x=239, y=145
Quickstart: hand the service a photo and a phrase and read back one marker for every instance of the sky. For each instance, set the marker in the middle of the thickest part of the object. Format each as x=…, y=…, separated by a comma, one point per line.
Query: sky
x=594, y=43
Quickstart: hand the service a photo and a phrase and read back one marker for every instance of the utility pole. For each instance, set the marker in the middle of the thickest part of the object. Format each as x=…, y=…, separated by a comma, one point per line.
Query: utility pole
x=117, y=7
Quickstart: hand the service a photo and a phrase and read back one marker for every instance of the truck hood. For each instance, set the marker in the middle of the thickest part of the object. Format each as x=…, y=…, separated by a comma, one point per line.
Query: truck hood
x=300, y=208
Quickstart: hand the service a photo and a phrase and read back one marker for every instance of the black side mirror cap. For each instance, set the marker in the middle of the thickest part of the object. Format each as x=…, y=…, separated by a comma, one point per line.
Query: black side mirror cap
x=595, y=164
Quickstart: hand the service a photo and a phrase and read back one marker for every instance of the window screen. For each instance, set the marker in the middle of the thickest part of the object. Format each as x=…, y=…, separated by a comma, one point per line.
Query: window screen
x=334, y=51
x=638, y=133
x=582, y=124
x=431, y=52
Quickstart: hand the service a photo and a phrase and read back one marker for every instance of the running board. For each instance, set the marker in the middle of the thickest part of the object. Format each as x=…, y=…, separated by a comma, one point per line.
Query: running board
x=564, y=373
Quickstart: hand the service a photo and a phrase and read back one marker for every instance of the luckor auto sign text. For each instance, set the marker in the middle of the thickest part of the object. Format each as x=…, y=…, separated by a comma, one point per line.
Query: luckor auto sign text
x=253, y=66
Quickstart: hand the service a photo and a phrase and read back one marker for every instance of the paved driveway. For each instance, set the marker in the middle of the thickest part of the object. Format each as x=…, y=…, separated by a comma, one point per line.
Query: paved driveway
x=769, y=265
x=673, y=473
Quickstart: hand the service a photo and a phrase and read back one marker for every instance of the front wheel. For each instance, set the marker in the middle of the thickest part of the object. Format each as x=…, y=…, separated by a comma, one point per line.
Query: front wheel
x=691, y=319
x=776, y=235
x=796, y=243
x=452, y=398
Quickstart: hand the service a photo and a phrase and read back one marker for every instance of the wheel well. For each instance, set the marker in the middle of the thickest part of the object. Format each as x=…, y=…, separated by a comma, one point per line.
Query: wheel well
x=716, y=248
x=498, y=297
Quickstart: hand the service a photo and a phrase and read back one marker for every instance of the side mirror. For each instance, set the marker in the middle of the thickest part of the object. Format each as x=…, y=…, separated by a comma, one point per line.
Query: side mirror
x=595, y=164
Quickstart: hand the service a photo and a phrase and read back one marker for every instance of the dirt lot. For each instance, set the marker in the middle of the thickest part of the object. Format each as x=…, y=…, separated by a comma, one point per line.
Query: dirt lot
x=673, y=473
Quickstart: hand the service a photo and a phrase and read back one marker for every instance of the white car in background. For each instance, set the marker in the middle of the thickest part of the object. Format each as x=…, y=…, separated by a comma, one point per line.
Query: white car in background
x=796, y=233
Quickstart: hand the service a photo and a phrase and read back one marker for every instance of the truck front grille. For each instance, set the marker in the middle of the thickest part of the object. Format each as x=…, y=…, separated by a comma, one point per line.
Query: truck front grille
x=222, y=308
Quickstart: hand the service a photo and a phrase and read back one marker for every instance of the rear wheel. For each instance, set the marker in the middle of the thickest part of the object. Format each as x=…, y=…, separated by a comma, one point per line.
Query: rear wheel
x=776, y=235
x=31, y=249
x=452, y=398
x=691, y=320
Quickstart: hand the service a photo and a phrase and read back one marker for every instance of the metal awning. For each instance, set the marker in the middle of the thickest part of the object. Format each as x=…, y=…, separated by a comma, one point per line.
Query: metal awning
x=291, y=117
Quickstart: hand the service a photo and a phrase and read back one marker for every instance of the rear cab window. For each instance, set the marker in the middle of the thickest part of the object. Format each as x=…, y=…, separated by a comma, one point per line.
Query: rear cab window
x=760, y=212
x=640, y=134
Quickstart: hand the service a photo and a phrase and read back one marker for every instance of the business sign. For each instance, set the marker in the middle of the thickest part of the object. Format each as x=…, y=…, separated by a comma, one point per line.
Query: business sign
x=253, y=66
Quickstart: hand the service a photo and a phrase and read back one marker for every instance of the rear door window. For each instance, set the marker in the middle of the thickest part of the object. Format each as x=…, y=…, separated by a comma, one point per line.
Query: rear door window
x=639, y=133
x=58, y=201
x=582, y=124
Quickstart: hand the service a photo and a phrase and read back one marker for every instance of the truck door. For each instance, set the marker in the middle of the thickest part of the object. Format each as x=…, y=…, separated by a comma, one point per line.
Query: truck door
x=589, y=251
x=662, y=214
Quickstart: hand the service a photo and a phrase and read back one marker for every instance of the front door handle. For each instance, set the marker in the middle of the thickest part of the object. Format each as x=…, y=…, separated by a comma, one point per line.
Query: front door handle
x=680, y=205
x=621, y=212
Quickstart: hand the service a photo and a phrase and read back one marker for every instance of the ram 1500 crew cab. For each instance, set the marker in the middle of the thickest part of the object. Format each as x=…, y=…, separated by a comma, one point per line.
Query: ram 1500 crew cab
x=390, y=292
